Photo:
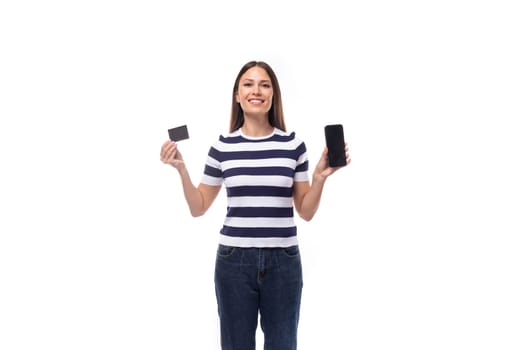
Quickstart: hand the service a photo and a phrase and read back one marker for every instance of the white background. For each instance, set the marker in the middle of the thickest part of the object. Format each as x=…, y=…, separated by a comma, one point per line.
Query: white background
x=418, y=244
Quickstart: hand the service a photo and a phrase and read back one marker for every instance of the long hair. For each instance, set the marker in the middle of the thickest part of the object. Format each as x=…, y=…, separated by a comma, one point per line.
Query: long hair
x=275, y=114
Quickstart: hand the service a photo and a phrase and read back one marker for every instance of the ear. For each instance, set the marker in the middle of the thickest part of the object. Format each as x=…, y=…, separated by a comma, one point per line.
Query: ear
x=237, y=97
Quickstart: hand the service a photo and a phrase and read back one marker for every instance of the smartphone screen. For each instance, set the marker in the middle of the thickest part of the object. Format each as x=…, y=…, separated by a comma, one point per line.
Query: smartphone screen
x=335, y=141
x=179, y=133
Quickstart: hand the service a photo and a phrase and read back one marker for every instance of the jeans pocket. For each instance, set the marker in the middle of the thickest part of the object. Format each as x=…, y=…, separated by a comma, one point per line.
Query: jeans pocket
x=292, y=251
x=225, y=251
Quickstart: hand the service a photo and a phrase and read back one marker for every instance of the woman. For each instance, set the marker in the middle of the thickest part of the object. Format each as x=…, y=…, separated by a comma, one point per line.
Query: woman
x=265, y=171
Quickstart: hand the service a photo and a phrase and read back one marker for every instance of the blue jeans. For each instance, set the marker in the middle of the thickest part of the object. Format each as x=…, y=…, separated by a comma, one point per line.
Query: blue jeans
x=249, y=281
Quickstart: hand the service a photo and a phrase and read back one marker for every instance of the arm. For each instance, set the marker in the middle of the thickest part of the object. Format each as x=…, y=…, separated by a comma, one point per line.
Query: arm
x=199, y=198
x=307, y=197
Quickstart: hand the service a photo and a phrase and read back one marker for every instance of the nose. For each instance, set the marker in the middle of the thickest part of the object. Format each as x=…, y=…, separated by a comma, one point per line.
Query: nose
x=255, y=89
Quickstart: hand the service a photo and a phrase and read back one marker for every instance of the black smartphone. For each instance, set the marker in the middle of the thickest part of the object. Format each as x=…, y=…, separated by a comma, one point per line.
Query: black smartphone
x=335, y=141
x=179, y=133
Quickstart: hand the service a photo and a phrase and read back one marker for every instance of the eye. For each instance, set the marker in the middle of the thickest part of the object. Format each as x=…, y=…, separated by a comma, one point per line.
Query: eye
x=267, y=85
x=247, y=84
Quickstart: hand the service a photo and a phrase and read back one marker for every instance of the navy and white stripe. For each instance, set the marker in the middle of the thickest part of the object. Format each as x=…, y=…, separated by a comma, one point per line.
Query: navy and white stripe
x=258, y=174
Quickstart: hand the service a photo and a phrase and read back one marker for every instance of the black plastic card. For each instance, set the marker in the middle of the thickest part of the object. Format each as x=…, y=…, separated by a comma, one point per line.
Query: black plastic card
x=179, y=133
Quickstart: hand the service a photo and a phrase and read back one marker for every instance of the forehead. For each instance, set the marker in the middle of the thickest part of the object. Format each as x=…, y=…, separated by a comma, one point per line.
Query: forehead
x=255, y=73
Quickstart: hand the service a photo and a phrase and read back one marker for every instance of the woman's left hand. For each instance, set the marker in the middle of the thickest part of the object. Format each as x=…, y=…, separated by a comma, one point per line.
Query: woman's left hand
x=323, y=169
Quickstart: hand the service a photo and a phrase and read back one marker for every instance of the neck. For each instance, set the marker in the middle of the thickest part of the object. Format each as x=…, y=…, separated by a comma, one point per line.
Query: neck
x=256, y=128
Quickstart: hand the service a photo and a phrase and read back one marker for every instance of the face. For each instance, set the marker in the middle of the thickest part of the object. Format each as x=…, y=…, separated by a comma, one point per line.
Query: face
x=255, y=92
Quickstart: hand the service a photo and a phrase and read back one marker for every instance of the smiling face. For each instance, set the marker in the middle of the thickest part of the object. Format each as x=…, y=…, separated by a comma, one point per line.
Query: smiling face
x=255, y=92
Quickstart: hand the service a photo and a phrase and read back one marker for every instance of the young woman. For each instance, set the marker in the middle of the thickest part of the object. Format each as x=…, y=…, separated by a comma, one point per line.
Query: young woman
x=265, y=171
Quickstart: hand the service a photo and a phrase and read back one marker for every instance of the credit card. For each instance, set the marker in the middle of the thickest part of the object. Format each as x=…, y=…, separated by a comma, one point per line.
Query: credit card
x=179, y=133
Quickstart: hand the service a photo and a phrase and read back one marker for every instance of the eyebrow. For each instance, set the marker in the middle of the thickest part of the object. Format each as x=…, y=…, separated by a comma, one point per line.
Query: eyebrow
x=262, y=81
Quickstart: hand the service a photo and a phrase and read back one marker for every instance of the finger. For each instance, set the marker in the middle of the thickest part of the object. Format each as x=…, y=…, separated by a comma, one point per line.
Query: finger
x=166, y=156
x=172, y=147
x=348, y=151
x=165, y=147
x=324, y=154
x=168, y=152
x=172, y=153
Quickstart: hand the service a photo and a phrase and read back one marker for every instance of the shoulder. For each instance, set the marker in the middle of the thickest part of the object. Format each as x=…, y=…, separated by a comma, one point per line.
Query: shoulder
x=286, y=135
x=231, y=137
x=226, y=138
x=289, y=137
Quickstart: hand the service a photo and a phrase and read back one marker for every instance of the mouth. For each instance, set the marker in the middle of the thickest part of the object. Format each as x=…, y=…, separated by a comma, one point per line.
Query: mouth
x=256, y=101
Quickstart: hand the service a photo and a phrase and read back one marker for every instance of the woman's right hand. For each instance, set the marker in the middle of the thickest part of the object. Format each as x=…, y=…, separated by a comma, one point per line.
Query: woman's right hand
x=169, y=154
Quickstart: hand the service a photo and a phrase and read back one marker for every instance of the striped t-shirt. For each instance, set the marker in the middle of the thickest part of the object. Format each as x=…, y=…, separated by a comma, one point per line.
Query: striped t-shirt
x=259, y=173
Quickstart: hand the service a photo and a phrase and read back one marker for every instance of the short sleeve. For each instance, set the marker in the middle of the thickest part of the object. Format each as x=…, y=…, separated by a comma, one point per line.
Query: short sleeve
x=212, y=174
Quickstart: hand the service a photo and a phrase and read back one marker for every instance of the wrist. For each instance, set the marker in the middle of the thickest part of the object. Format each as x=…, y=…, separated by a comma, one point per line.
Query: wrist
x=181, y=168
x=317, y=178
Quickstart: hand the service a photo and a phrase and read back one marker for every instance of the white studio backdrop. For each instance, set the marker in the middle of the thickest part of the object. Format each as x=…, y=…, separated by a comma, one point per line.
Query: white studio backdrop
x=418, y=244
